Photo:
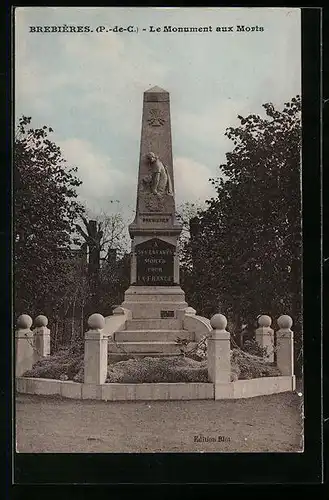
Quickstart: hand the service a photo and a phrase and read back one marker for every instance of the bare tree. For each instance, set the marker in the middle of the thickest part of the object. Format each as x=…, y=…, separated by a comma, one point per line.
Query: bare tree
x=115, y=234
x=187, y=214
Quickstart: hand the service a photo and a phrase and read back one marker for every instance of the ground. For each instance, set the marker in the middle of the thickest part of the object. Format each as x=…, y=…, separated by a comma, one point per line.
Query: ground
x=265, y=423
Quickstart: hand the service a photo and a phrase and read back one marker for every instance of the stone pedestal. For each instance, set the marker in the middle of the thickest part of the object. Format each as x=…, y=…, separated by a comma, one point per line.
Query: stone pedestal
x=148, y=302
x=95, y=357
x=24, y=351
x=265, y=336
x=41, y=342
x=24, y=345
x=285, y=351
x=219, y=353
x=285, y=345
x=219, y=365
x=265, y=339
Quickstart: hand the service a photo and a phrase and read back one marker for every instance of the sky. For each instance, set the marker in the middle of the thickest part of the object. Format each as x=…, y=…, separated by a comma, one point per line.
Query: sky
x=89, y=87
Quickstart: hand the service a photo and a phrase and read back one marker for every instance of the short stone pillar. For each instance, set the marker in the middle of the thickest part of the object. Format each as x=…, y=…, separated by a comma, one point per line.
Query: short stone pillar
x=265, y=336
x=24, y=348
x=285, y=346
x=41, y=338
x=95, y=356
x=219, y=352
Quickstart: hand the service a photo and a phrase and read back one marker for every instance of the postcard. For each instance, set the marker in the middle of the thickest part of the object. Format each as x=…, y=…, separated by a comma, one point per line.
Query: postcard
x=158, y=230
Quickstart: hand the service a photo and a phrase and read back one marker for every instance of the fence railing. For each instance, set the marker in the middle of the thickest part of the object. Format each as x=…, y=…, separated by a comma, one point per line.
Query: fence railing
x=34, y=344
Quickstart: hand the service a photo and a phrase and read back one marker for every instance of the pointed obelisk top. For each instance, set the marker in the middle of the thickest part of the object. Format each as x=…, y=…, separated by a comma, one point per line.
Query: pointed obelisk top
x=156, y=94
x=157, y=90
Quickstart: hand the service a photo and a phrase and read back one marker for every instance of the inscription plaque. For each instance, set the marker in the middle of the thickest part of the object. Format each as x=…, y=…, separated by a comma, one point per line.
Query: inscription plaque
x=155, y=263
x=167, y=314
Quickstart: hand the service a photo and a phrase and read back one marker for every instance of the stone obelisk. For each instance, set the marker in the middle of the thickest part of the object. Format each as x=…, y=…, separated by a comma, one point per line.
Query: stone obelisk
x=155, y=291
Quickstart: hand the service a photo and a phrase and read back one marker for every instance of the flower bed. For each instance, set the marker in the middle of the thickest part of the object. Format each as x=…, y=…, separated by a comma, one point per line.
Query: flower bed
x=67, y=364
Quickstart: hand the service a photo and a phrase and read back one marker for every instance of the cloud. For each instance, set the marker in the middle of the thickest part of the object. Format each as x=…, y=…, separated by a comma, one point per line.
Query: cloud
x=191, y=181
x=209, y=125
x=98, y=73
x=101, y=180
x=112, y=72
x=93, y=84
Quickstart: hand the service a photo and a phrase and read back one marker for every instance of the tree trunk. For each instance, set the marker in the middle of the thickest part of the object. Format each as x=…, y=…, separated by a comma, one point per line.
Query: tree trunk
x=82, y=325
x=55, y=333
x=73, y=319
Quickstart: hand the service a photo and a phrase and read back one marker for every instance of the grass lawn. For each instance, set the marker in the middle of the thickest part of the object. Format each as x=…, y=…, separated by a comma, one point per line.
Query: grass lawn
x=265, y=423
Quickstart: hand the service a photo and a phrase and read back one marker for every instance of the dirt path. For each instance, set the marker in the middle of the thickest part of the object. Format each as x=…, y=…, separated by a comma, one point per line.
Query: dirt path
x=267, y=423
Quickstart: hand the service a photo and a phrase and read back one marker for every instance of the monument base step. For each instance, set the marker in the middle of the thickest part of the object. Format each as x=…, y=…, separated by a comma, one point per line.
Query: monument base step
x=151, y=302
x=168, y=348
x=117, y=356
x=154, y=324
x=152, y=335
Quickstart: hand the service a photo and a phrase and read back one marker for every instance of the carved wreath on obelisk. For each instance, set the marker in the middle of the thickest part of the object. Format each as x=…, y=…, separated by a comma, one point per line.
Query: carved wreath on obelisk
x=157, y=185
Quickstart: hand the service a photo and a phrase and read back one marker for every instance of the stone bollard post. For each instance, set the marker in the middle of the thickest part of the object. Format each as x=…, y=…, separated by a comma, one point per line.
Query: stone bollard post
x=219, y=352
x=24, y=345
x=285, y=346
x=265, y=336
x=41, y=338
x=95, y=356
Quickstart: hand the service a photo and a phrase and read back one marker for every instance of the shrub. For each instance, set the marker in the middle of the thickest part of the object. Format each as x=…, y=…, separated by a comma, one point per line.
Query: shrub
x=249, y=366
x=153, y=370
x=68, y=364
x=251, y=346
x=64, y=363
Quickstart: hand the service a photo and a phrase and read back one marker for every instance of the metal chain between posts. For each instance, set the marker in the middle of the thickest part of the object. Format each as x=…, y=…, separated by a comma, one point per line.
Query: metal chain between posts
x=199, y=345
x=204, y=339
x=251, y=355
x=195, y=348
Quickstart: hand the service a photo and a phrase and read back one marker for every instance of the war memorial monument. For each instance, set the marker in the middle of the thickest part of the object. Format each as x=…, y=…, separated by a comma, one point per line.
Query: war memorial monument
x=155, y=299
x=154, y=319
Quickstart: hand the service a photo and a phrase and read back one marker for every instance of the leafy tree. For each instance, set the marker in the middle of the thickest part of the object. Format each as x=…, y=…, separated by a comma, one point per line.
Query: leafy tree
x=246, y=246
x=184, y=214
x=114, y=281
x=45, y=210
